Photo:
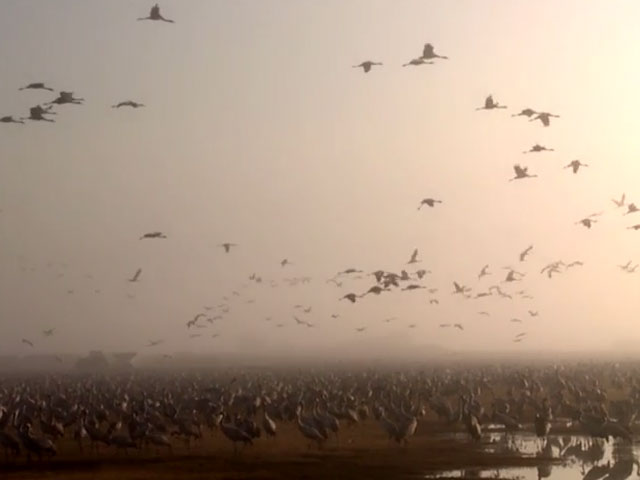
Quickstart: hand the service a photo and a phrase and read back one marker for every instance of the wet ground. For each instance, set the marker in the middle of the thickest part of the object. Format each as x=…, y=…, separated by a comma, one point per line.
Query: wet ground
x=361, y=452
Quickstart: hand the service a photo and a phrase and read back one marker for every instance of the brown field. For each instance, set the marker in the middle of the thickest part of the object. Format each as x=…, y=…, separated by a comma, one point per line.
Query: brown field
x=363, y=453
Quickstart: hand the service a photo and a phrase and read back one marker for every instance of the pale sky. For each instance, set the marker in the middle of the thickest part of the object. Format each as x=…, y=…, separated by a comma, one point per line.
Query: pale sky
x=257, y=131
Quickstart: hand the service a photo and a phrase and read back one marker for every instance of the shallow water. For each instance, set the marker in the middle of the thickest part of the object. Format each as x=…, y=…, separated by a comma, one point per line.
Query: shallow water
x=561, y=458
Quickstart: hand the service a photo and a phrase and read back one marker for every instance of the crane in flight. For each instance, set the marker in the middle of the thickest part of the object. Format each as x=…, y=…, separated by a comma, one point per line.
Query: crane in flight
x=37, y=114
x=631, y=208
x=154, y=343
x=414, y=257
x=27, y=342
x=527, y=112
x=153, y=235
x=589, y=221
x=460, y=288
x=10, y=119
x=538, y=148
x=136, y=276
x=544, y=117
x=416, y=62
x=525, y=252
x=64, y=98
x=430, y=202
x=36, y=86
x=490, y=104
x=458, y=326
x=128, y=103
x=619, y=203
x=366, y=66
x=227, y=249
x=521, y=172
x=154, y=14
x=484, y=272
x=575, y=165
x=361, y=329
x=429, y=53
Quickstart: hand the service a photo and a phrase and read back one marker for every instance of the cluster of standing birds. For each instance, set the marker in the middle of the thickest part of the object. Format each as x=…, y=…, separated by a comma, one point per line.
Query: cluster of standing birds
x=385, y=281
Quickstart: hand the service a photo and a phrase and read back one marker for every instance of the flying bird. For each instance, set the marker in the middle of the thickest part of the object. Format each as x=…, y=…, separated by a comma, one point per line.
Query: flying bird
x=153, y=235
x=351, y=297
x=575, y=165
x=27, y=342
x=37, y=114
x=65, y=98
x=154, y=14
x=48, y=332
x=366, y=66
x=153, y=343
x=459, y=288
x=194, y=320
x=490, y=104
x=10, y=119
x=36, y=86
x=589, y=221
x=527, y=112
x=544, y=117
x=128, y=103
x=361, y=329
x=428, y=53
x=619, y=203
x=521, y=172
x=285, y=262
x=414, y=257
x=227, y=248
x=458, y=326
x=429, y=202
x=631, y=208
x=484, y=272
x=538, y=148
x=136, y=276
x=416, y=62
x=525, y=252
x=533, y=313
x=634, y=227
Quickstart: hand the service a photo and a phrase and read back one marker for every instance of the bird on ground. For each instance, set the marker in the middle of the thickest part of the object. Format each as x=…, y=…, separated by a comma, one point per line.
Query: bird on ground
x=521, y=172
x=366, y=66
x=428, y=53
x=416, y=62
x=429, y=202
x=153, y=235
x=575, y=165
x=128, y=103
x=619, y=203
x=525, y=252
x=36, y=86
x=136, y=276
x=10, y=119
x=48, y=332
x=414, y=257
x=154, y=14
x=65, y=98
x=538, y=148
x=227, y=248
x=27, y=342
x=490, y=104
x=544, y=117
x=153, y=343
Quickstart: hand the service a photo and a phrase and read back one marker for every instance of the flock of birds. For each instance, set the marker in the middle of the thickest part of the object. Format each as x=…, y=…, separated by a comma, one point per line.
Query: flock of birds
x=150, y=411
x=385, y=281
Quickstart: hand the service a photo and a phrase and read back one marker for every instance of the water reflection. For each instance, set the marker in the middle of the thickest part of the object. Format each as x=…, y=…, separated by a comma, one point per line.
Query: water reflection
x=561, y=458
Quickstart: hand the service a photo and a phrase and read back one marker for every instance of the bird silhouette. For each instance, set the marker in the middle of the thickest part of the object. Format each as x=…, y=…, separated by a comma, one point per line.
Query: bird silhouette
x=128, y=103
x=575, y=165
x=285, y=262
x=136, y=275
x=361, y=329
x=351, y=297
x=428, y=53
x=429, y=202
x=27, y=342
x=414, y=257
x=544, y=117
x=634, y=227
x=525, y=252
x=36, y=86
x=366, y=66
x=521, y=172
x=631, y=208
x=65, y=98
x=619, y=203
x=490, y=104
x=538, y=148
x=10, y=119
x=458, y=326
x=416, y=62
x=227, y=248
x=154, y=14
x=527, y=112
x=153, y=235
x=484, y=272
x=153, y=343
x=48, y=332
x=37, y=114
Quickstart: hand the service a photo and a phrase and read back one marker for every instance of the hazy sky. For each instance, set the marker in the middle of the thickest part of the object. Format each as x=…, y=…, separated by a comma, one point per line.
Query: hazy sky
x=257, y=131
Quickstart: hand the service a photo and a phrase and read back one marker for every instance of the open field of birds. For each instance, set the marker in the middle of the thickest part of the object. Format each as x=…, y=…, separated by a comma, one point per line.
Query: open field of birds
x=322, y=423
